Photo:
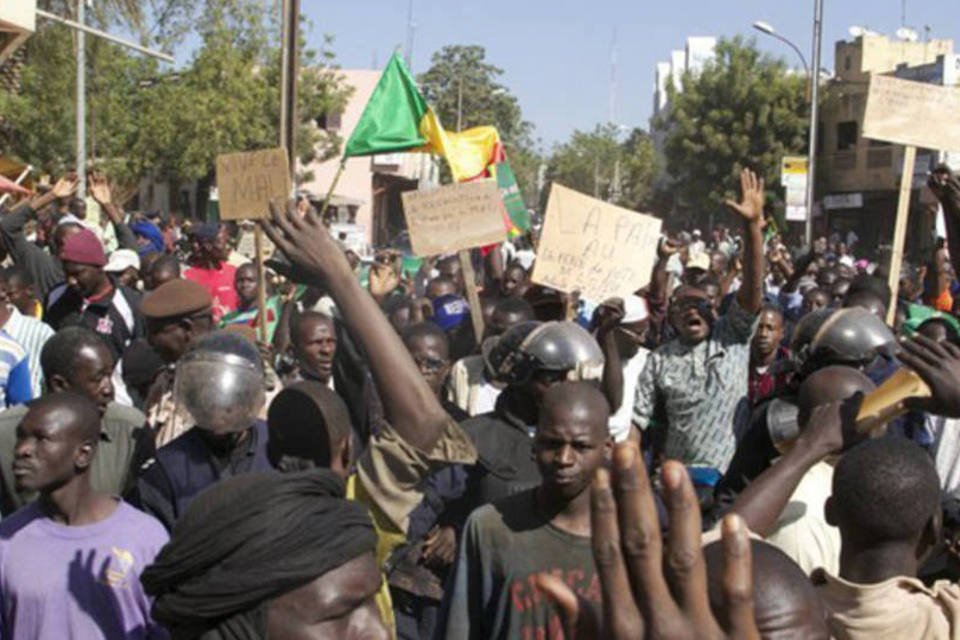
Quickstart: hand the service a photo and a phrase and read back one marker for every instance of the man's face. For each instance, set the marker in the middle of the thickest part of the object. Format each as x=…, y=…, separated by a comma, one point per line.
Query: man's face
x=718, y=263
x=839, y=292
x=245, y=283
x=219, y=247
x=513, y=279
x=687, y=316
x=92, y=375
x=20, y=296
x=170, y=337
x=47, y=451
x=439, y=288
x=501, y=321
x=451, y=268
x=769, y=334
x=433, y=359
x=814, y=301
x=83, y=278
x=569, y=447
x=316, y=347
x=339, y=604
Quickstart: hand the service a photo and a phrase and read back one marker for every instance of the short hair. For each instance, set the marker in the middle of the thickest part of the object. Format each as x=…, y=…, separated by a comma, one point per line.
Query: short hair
x=772, y=308
x=84, y=409
x=17, y=272
x=306, y=420
x=515, y=306
x=574, y=394
x=60, y=352
x=166, y=261
x=885, y=490
x=443, y=279
x=297, y=321
x=866, y=283
x=779, y=586
x=422, y=330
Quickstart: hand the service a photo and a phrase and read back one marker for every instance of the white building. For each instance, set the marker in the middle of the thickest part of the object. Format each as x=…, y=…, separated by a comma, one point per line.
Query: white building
x=693, y=57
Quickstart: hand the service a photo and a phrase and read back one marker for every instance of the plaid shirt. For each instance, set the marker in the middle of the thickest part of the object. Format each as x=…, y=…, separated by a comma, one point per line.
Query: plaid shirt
x=701, y=388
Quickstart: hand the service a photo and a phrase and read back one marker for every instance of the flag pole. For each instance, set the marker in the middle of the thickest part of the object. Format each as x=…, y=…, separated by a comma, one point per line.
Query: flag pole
x=333, y=185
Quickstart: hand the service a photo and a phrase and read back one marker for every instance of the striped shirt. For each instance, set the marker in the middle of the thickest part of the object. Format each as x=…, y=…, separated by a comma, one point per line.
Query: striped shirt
x=14, y=372
x=32, y=334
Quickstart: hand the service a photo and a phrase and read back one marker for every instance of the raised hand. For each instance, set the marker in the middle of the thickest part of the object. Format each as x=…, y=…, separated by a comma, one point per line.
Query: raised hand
x=938, y=364
x=667, y=248
x=66, y=186
x=306, y=243
x=750, y=207
x=100, y=189
x=649, y=591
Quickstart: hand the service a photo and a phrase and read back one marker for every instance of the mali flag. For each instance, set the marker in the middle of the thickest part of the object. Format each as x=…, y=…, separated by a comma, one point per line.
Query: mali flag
x=397, y=118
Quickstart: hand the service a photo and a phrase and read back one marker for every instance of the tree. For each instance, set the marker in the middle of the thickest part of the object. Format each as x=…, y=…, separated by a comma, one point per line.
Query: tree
x=170, y=125
x=598, y=164
x=465, y=91
x=742, y=109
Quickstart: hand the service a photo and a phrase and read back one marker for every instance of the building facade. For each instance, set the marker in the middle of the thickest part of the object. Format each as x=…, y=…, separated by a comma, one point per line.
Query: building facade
x=858, y=179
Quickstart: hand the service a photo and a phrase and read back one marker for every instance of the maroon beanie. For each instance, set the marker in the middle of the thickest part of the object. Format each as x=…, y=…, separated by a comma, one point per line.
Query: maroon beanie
x=83, y=247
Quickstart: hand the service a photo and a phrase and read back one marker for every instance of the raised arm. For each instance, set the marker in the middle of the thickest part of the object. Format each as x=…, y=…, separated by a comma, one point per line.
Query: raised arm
x=946, y=186
x=100, y=191
x=608, y=318
x=764, y=499
x=750, y=210
x=410, y=406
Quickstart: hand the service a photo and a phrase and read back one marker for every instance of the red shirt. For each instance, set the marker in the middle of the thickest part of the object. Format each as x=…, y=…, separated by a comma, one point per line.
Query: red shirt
x=219, y=282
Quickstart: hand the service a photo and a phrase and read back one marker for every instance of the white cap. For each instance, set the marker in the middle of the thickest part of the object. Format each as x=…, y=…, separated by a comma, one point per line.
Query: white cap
x=121, y=259
x=634, y=309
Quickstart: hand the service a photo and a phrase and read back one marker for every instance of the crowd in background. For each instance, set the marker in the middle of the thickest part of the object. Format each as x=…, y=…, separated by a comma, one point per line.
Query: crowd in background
x=193, y=449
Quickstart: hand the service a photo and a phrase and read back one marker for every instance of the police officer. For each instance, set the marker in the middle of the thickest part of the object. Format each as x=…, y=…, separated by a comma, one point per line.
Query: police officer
x=177, y=313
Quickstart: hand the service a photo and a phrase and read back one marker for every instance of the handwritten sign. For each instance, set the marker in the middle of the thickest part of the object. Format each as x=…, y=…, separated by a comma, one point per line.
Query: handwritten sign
x=912, y=113
x=597, y=248
x=454, y=217
x=248, y=181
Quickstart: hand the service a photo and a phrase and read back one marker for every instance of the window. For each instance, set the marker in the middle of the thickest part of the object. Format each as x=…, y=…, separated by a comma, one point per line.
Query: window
x=846, y=63
x=329, y=121
x=846, y=135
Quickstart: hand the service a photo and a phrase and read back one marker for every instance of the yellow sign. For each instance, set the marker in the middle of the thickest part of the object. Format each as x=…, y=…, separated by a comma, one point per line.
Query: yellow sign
x=594, y=247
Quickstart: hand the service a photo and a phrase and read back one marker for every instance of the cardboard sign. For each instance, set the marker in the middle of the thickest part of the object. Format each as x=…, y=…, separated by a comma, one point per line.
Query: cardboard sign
x=247, y=182
x=912, y=113
x=454, y=217
x=597, y=248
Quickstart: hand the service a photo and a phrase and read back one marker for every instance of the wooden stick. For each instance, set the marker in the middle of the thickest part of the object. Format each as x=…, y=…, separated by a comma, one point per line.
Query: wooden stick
x=333, y=185
x=470, y=282
x=900, y=229
x=261, y=284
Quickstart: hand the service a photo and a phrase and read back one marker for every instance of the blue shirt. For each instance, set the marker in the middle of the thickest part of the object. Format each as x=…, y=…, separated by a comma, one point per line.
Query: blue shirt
x=14, y=372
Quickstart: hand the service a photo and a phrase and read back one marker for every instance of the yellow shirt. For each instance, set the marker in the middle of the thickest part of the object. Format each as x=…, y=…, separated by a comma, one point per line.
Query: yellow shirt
x=388, y=539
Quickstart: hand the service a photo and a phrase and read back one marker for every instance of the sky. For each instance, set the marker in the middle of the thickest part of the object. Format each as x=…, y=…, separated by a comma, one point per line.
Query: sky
x=556, y=54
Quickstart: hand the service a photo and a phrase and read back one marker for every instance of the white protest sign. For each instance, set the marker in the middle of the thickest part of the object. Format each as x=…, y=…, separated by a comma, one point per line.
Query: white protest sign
x=454, y=217
x=912, y=113
x=594, y=247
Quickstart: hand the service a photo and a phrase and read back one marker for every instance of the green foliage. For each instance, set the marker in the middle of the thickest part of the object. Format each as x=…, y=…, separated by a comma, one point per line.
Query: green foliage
x=743, y=109
x=598, y=164
x=170, y=124
x=461, y=82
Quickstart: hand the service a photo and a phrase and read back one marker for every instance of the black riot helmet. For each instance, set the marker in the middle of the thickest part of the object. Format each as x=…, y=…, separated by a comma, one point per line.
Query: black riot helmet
x=531, y=347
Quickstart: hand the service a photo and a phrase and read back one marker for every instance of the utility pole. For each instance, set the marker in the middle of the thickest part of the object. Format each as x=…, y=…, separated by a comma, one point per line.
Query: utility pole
x=81, y=103
x=814, y=114
x=411, y=27
x=289, y=70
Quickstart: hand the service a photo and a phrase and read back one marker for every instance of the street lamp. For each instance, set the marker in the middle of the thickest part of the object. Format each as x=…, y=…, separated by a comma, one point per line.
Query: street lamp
x=813, y=92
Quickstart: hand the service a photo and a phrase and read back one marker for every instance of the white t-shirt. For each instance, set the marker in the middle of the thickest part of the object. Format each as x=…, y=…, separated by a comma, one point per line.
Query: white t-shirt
x=946, y=452
x=621, y=421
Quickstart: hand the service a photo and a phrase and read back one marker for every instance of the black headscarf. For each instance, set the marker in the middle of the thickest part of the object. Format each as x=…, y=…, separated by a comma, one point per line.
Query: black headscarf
x=247, y=540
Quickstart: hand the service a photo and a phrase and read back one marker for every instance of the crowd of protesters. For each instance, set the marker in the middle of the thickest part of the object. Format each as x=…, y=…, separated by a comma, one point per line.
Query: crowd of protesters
x=341, y=455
